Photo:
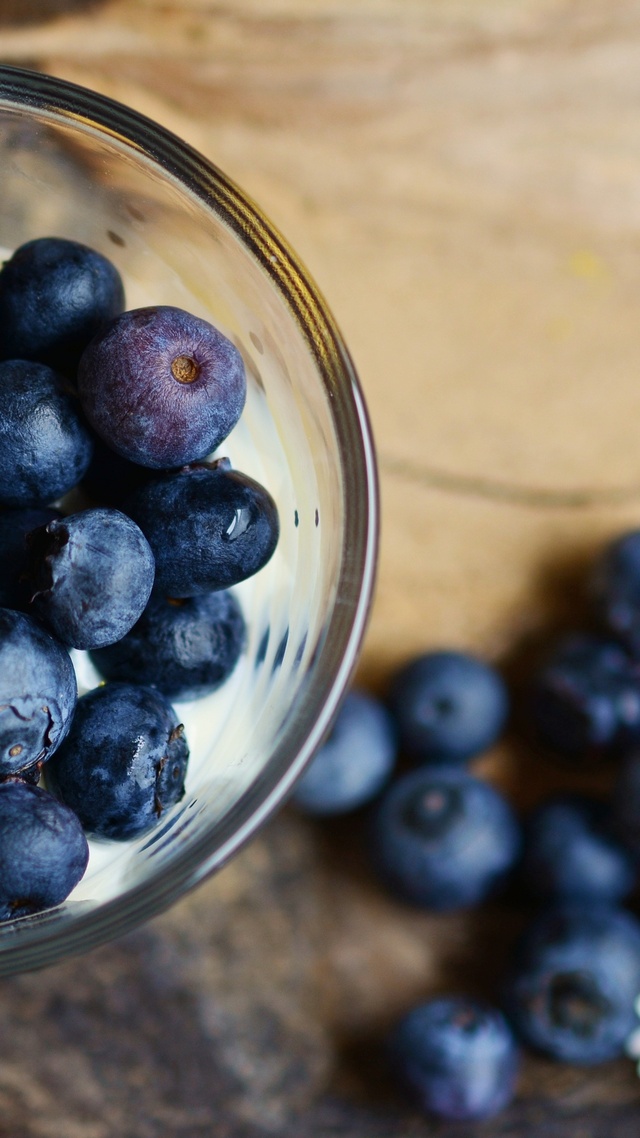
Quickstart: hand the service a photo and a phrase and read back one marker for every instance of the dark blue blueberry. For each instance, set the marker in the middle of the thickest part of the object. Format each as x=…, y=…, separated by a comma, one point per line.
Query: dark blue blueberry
x=90, y=576
x=443, y=839
x=570, y=852
x=458, y=1057
x=615, y=587
x=45, y=447
x=586, y=699
x=625, y=814
x=43, y=851
x=354, y=763
x=54, y=296
x=14, y=527
x=110, y=478
x=123, y=763
x=163, y=388
x=184, y=648
x=449, y=707
x=38, y=692
x=209, y=527
x=574, y=982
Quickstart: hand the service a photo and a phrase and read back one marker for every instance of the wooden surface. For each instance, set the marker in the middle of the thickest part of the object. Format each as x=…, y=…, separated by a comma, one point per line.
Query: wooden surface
x=462, y=179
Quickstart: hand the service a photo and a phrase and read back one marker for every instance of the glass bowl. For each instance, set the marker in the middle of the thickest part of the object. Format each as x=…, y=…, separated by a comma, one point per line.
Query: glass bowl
x=75, y=164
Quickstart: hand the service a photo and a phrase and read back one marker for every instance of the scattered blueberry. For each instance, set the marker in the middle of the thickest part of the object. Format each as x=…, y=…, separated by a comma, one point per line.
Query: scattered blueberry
x=91, y=575
x=574, y=982
x=586, y=699
x=178, y=385
x=43, y=851
x=443, y=839
x=458, y=1056
x=354, y=763
x=209, y=527
x=449, y=706
x=569, y=852
x=123, y=762
x=54, y=296
x=184, y=648
x=15, y=525
x=45, y=448
x=38, y=692
x=615, y=586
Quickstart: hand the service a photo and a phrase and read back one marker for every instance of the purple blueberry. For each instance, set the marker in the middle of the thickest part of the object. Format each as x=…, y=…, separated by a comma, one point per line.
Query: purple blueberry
x=571, y=853
x=123, y=763
x=54, y=296
x=15, y=525
x=615, y=587
x=449, y=706
x=184, y=648
x=90, y=576
x=354, y=763
x=43, y=851
x=444, y=840
x=458, y=1057
x=162, y=388
x=574, y=982
x=38, y=692
x=586, y=698
x=209, y=527
x=45, y=447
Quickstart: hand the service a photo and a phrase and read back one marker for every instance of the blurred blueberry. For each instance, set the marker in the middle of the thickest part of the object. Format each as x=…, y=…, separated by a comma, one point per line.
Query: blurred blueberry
x=626, y=802
x=586, y=699
x=449, y=706
x=573, y=985
x=458, y=1056
x=354, y=763
x=569, y=852
x=43, y=851
x=15, y=525
x=443, y=839
x=615, y=587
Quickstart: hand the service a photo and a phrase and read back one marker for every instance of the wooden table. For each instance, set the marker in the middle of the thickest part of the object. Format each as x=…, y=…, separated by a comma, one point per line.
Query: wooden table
x=462, y=179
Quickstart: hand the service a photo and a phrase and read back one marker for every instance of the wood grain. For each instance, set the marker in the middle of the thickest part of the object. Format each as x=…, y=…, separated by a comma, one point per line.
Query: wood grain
x=462, y=180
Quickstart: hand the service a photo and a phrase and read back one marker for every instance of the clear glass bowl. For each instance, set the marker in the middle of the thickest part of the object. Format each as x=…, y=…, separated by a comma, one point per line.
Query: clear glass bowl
x=75, y=164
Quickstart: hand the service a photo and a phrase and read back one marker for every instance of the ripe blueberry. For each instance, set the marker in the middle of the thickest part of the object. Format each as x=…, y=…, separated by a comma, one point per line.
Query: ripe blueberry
x=184, y=648
x=163, y=388
x=458, y=1057
x=449, y=706
x=15, y=525
x=124, y=761
x=355, y=761
x=90, y=575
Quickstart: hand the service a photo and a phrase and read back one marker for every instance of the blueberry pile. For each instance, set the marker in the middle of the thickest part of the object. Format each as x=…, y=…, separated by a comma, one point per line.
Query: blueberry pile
x=124, y=408
x=442, y=839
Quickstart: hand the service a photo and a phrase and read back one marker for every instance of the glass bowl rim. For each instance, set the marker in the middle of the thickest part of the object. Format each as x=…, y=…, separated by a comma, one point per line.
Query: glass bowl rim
x=40, y=942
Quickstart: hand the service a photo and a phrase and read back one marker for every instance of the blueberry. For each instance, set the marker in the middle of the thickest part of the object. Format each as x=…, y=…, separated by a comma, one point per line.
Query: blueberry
x=163, y=388
x=45, y=447
x=184, y=648
x=443, y=839
x=90, y=575
x=38, y=692
x=570, y=852
x=574, y=982
x=615, y=587
x=457, y=1056
x=54, y=296
x=209, y=527
x=586, y=699
x=123, y=763
x=449, y=706
x=626, y=802
x=15, y=525
x=43, y=851
x=355, y=761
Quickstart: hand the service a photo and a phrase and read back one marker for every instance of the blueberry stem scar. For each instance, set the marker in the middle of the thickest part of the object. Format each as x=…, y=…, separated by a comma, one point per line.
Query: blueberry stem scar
x=185, y=369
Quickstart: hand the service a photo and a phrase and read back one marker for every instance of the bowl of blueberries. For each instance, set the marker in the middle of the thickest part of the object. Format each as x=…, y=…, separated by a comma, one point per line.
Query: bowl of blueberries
x=188, y=519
